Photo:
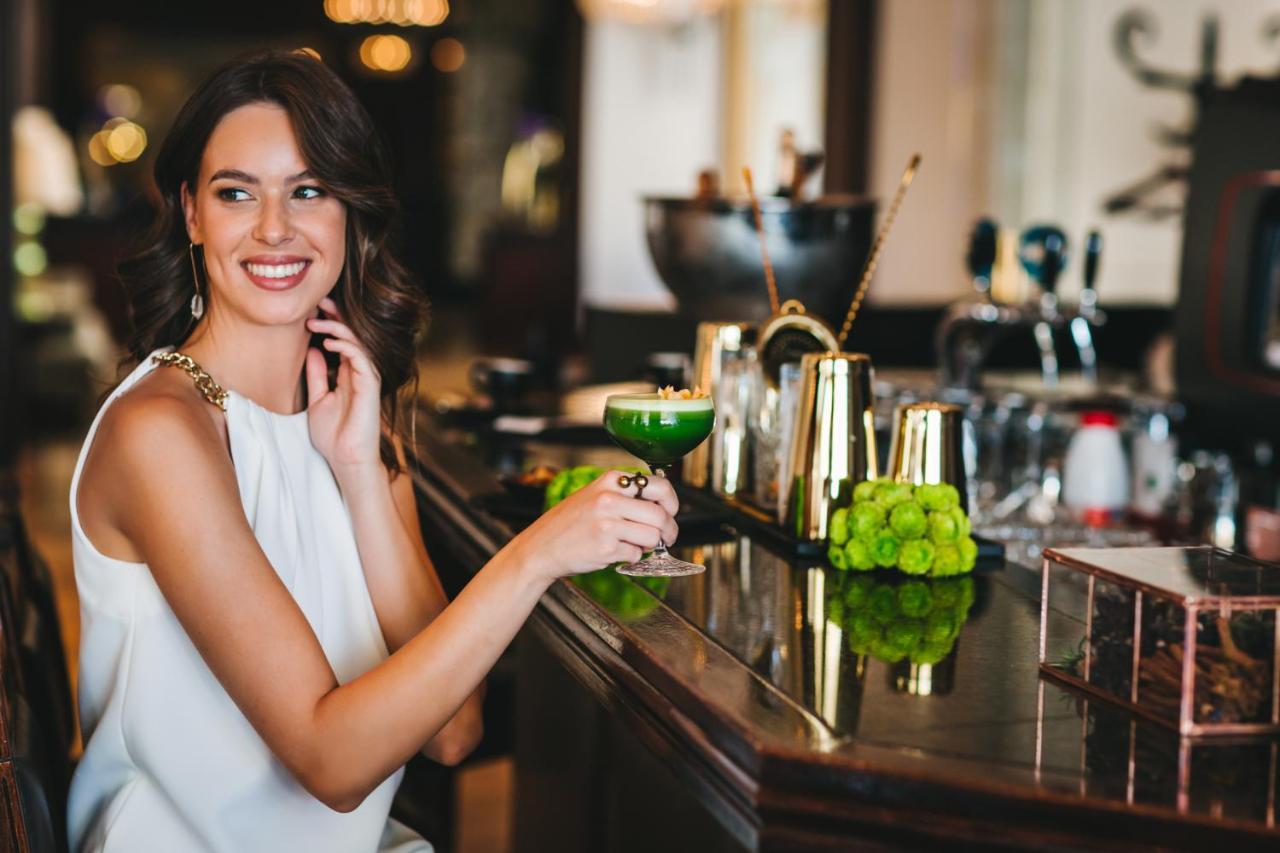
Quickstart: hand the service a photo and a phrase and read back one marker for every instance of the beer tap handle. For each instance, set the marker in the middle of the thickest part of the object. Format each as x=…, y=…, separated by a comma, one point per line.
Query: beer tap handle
x=981, y=258
x=1092, y=259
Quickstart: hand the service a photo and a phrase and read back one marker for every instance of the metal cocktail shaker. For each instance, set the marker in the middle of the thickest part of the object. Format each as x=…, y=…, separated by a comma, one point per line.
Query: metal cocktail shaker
x=928, y=446
x=834, y=443
x=722, y=462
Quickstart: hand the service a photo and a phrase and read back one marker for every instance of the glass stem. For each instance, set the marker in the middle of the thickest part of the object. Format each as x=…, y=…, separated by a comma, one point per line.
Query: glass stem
x=659, y=471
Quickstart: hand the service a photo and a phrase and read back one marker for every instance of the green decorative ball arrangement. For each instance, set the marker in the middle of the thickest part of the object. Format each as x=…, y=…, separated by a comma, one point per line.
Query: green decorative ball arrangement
x=894, y=619
x=620, y=594
x=919, y=530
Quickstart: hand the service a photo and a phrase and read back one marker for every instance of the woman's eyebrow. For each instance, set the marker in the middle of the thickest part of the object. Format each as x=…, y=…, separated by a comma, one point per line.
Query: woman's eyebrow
x=246, y=178
x=233, y=175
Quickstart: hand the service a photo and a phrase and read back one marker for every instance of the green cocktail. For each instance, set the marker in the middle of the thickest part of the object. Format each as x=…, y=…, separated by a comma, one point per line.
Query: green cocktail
x=659, y=431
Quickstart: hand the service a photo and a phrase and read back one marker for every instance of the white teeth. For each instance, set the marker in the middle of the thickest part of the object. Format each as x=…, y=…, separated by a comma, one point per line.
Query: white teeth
x=276, y=270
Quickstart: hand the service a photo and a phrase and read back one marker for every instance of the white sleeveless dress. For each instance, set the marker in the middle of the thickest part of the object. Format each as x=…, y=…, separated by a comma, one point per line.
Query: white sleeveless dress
x=170, y=763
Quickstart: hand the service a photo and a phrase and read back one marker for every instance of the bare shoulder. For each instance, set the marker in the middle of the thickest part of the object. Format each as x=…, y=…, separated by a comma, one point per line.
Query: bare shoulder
x=155, y=435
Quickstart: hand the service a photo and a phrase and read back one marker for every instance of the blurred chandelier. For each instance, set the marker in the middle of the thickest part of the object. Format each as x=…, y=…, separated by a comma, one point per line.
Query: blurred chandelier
x=649, y=11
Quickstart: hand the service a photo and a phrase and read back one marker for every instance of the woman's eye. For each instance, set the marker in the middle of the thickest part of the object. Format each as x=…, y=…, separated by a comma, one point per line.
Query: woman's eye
x=308, y=192
x=233, y=194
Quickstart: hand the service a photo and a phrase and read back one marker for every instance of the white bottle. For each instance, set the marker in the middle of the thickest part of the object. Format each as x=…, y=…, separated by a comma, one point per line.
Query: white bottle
x=1095, y=476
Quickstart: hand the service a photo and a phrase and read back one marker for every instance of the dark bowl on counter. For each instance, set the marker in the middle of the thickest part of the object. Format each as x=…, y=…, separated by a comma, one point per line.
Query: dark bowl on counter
x=707, y=253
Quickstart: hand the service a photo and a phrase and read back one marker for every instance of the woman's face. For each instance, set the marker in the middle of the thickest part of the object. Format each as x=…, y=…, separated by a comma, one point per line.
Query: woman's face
x=274, y=240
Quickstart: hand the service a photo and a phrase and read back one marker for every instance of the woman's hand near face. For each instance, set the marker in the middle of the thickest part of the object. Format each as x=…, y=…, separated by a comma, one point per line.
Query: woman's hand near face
x=346, y=420
x=600, y=524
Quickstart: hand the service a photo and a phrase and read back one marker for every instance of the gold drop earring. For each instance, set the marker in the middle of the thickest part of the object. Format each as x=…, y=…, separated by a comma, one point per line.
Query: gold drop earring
x=197, y=301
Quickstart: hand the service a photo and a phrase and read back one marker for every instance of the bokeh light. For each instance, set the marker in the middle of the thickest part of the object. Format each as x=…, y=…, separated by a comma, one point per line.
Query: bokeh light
x=119, y=141
x=126, y=142
x=404, y=13
x=98, y=152
x=120, y=99
x=30, y=259
x=448, y=54
x=28, y=218
x=386, y=53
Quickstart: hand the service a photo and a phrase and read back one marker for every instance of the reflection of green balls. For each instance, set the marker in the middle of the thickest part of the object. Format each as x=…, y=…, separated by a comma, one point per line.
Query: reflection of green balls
x=884, y=549
x=865, y=520
x=866, y=490
x=888, y=652
x=931, y=653
x=946, y=593
x=865, y=628
x=916, y=556
x=838, y=527
x=914, y=598
x=883, y=604
x=943, y=529
x=857, y=590
x=624, y=597
x=908, y=520
x=940, y=626
x=835, y=609
x=858, y=555
x=859, y=646
x=905, y=633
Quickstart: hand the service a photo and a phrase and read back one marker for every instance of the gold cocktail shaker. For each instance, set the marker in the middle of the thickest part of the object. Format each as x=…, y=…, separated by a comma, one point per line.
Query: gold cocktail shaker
x=834, y=443
x=721, y=461
x=928, y=446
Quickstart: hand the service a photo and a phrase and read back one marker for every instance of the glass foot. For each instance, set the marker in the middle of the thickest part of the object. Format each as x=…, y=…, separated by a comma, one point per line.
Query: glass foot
x=661, y=566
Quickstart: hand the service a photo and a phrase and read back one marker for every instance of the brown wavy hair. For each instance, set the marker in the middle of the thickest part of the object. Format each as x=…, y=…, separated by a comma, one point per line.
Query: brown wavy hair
x=380, y=301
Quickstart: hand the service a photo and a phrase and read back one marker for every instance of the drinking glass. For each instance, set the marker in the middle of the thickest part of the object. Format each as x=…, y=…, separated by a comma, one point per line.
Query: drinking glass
x=659, y=432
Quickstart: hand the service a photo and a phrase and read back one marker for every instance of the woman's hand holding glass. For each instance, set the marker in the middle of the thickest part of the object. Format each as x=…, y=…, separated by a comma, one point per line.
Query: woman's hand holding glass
x=346, y=420
x=600, y=525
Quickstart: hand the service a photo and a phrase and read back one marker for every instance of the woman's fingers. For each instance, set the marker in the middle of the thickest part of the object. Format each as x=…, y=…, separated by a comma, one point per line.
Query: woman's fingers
x=657, y=489
x=634, y=533
x=317, y=376
x=355, y=356
x=646, y=512
x=652, y=514
x=332, y=327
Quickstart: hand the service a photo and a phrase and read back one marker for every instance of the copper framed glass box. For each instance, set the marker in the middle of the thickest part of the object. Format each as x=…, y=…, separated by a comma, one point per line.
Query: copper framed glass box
x=1183, y=636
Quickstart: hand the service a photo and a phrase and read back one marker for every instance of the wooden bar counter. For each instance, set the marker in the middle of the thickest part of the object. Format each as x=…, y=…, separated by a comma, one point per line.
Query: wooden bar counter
x=730, y=713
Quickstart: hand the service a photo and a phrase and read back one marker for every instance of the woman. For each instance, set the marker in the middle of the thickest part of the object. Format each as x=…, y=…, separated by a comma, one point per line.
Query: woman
x=264, y=641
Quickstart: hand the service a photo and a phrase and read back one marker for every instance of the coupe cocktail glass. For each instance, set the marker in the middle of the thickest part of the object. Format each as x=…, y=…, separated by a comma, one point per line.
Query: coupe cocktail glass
x=659, y=431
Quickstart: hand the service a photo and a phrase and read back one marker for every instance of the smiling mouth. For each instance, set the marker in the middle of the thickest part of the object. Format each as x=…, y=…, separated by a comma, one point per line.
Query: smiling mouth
x=276, y=276
x=276, y=270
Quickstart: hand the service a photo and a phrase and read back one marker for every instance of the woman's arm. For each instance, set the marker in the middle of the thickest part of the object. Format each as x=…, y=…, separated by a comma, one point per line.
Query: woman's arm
x=178, y=503
x=406, y=591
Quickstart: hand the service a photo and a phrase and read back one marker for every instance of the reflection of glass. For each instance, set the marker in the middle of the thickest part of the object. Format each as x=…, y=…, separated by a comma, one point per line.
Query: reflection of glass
x=659, y=431
x=1116, y=754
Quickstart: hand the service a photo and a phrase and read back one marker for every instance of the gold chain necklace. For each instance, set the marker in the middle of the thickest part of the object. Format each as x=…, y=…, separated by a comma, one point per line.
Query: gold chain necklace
x=212, y=391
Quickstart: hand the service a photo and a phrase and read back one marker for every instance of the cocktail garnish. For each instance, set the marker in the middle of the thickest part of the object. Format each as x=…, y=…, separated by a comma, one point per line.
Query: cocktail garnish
x=670, y=393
